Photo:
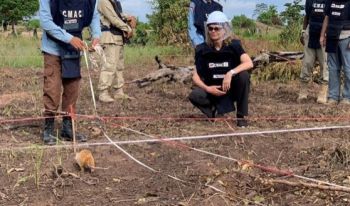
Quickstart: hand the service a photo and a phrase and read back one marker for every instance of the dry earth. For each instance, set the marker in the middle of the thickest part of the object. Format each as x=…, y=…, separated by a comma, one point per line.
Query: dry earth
x=27, y=171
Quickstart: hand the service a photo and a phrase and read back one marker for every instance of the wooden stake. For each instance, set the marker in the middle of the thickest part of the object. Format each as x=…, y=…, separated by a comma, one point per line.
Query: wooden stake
x=73, y=128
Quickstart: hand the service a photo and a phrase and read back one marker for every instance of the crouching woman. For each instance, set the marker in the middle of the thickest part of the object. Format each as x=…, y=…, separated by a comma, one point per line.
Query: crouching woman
x=221, y=76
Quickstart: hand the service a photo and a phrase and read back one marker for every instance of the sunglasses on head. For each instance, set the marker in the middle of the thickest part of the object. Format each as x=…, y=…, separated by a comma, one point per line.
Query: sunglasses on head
x=214, y=28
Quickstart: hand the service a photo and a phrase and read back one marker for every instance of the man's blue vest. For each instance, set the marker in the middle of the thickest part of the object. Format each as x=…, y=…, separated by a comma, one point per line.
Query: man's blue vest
x=316, y=18
x=339, y=19
x=201, y=12
x=71, y=16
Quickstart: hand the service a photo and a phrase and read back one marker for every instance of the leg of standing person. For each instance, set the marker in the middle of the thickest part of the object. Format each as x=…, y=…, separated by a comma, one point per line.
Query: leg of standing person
x=334, y=66
x=107, y=73
x=119, y=77
x=306, y=70
x=322, y=59
x=69, y=99
x=51, y=95
x=345, y=59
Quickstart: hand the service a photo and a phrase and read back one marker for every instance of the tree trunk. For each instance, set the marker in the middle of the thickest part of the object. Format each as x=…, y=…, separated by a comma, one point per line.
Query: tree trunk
x=14, y=31
x=35, y=33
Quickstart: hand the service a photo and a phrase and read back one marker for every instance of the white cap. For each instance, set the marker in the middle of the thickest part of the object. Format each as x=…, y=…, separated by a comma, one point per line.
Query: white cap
x=217, y=17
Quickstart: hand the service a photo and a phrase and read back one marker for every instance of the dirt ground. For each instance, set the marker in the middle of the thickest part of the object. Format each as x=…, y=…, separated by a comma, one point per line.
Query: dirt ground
x=29, y=174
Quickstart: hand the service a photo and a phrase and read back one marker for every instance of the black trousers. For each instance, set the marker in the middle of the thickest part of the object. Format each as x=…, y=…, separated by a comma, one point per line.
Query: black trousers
x=238, y=93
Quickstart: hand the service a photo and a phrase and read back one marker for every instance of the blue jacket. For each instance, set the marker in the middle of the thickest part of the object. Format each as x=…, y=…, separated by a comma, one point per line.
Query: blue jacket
x=48, y=26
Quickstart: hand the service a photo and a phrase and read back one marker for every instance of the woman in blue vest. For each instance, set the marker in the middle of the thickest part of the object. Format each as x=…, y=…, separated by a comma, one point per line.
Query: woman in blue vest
x=221, y=73
x=62, y=22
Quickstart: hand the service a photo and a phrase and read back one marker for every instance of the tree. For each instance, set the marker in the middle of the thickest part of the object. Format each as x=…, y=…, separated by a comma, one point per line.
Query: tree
x=260, y=8
x=141, y=36
x=293, y=20
x=270, y=16
x=169, y=21
x=243, y=23
x=15, y=10
x=34, y=25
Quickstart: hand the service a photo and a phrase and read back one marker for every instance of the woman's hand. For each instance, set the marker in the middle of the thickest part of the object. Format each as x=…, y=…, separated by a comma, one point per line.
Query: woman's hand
x=226, y=84
x=215, y=90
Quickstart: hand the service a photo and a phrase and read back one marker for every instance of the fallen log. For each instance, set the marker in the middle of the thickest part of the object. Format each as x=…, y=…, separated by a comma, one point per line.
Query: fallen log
x=171, y=73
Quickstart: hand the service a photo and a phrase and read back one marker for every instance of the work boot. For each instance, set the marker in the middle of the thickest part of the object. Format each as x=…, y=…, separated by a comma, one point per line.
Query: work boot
x=241, y=122
x=322, y=95
x=49, y=138
x=302, y=92
x=67, y=131
x=119, y=94
x=105, y=97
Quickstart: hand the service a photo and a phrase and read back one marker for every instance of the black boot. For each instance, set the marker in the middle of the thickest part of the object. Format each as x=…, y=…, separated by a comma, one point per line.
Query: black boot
x=67, y=132
x=241, y=122
x=49, y=138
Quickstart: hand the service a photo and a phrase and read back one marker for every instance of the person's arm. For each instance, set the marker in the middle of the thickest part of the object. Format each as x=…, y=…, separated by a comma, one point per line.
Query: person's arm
x=327, y=11
x=106, y=9
x=323, y=31
x=95, y=27
x=246, y=64
x=196, y=38
x=47, y=24
x=214, y=90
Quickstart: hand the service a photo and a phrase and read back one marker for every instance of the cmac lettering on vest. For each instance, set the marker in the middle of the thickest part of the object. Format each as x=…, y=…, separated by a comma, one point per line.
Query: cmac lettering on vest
x=319, y=6
x=334, y=13
x=72, y=13
x=337, y=6
x=218, y=65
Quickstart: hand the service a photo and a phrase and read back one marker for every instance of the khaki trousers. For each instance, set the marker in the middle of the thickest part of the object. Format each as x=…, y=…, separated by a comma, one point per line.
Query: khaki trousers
x=113, y=68
x=310, y=56
x=55, y=88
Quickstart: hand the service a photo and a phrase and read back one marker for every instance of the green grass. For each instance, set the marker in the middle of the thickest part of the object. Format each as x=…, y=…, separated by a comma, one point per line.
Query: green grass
x=24, y=52
x=18, y=52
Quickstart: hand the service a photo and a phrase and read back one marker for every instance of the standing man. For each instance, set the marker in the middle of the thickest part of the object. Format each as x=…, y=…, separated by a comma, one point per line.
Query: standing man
x=312, y=27
x=115, y=31
x=62, y=22
x=335, y=36
x=197, y=16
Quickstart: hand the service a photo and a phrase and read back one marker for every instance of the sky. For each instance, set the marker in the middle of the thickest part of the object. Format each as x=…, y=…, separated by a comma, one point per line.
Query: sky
x=232, y=8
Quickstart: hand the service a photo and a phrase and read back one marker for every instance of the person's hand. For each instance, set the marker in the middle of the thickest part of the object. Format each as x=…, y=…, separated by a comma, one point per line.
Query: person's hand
x=129, y=34
x=132, y=21
x=77, y=43
x=226, y=84
x=323, y=41
x=215, y=90
x=95, y=42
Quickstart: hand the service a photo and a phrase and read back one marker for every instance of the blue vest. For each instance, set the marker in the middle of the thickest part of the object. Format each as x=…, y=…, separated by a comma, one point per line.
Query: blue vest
x=71, y=16
x=201, y=12
x=316, y=18
x=339, y=19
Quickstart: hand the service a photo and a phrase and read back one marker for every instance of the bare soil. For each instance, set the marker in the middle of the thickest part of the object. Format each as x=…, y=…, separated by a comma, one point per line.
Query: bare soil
x=27, y=171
